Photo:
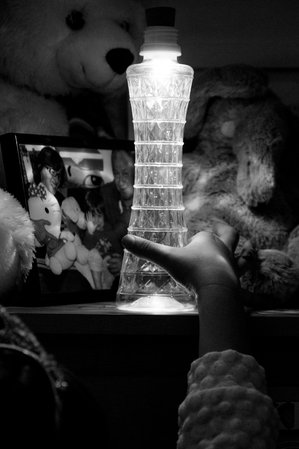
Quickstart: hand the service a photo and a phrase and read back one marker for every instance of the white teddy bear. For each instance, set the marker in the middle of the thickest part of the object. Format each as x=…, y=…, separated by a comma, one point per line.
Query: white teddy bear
x=53, y=51
x=45, y=214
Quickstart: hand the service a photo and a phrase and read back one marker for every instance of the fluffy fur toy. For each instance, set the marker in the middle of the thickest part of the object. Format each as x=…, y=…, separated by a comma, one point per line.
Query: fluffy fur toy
x=53, y=52
x=243, y=169
x=16, y=244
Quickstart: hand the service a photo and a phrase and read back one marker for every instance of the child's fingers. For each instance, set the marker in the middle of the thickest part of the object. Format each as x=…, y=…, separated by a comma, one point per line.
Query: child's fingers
x=146, y=249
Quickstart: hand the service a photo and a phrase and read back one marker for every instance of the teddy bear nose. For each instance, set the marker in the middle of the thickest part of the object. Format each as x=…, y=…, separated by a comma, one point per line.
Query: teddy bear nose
x=119, y=59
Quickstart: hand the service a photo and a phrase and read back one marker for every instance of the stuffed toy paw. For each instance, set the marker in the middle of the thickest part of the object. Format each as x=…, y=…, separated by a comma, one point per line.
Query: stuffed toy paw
x=270, y=270
x=62, y=258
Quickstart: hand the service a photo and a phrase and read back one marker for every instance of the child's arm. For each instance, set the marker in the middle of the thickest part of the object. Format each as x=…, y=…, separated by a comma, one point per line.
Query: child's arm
x=206, y=265
x=226, y=405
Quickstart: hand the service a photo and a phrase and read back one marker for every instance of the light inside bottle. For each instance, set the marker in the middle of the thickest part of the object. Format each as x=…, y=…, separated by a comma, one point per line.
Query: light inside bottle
x=156, y=304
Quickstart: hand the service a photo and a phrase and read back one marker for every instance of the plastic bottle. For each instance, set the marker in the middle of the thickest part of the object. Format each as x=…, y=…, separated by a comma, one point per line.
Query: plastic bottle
x=159, y=91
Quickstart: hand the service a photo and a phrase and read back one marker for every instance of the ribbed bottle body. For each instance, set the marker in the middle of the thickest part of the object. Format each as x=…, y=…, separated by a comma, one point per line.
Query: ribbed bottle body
x=159, y=97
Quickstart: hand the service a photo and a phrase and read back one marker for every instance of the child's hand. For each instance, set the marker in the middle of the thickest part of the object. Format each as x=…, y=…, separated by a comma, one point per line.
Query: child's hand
x=114, y=263
x=207, y=260
x=90, y=223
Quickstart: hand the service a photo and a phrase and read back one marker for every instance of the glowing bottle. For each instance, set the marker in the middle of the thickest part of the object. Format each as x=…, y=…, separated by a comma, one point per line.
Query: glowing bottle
x=159, y=90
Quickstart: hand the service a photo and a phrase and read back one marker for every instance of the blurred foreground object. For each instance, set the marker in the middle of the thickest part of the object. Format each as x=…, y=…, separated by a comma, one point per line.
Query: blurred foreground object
x=16, y=243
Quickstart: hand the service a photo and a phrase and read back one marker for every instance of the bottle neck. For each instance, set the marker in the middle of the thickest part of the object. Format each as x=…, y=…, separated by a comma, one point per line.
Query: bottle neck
x=160, y=42
x=159, y=56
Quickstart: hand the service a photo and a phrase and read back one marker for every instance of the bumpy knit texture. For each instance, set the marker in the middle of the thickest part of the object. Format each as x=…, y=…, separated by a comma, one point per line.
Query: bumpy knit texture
x=14, y=332
x=226, y=406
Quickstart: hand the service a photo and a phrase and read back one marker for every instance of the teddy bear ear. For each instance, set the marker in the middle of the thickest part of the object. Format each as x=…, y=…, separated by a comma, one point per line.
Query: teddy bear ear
x=195, y=114
x=259, y=142
x=230, y=81
x=255, y=176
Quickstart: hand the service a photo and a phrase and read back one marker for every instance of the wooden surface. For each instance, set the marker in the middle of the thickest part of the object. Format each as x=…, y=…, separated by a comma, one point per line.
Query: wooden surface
x=106, y=318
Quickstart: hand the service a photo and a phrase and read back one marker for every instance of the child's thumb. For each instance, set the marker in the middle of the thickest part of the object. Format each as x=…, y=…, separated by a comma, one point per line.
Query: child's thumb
x=154, y=252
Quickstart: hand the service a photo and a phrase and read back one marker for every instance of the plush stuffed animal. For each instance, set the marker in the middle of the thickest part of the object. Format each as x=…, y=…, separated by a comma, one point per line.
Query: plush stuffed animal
x=16, y=244
x=72, y=215
x=53, y=51
x=243, y=168
x=45, y=214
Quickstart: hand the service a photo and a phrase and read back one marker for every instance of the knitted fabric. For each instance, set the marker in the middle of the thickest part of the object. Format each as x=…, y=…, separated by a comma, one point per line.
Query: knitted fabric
x=226, y=406
x=14, y=332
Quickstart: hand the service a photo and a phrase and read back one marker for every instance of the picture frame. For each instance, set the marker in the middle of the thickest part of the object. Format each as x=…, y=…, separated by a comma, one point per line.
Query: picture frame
x=65, y=214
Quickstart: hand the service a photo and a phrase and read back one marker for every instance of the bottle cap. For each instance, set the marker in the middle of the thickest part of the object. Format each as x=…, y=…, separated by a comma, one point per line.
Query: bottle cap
x=160, y=16
x=160, y=34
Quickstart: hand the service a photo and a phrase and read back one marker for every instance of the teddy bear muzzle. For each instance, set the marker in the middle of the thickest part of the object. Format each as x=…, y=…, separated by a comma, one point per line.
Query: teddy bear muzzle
x=119, y=59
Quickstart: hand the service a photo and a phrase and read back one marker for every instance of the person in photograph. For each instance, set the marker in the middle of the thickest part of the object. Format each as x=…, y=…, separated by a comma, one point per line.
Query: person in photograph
x=48, y=169
x=118, y=199
x=56, y=249
x=118, y=194
x=44, y=198
x=105, y=250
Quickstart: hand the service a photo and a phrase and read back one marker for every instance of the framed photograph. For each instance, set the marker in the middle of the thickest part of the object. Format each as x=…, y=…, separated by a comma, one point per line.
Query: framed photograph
x=71, y=193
